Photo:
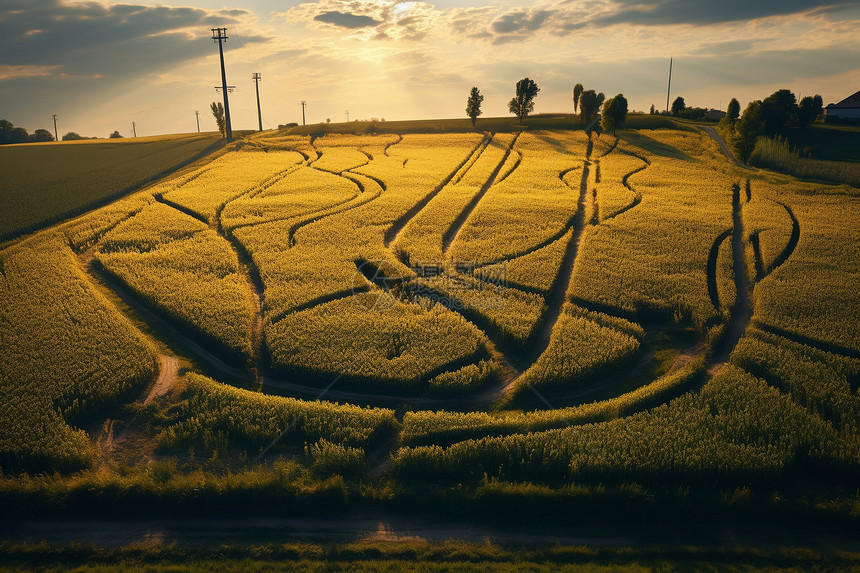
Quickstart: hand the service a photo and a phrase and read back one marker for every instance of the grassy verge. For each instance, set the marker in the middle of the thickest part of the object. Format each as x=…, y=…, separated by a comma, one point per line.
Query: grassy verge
x=421, y=555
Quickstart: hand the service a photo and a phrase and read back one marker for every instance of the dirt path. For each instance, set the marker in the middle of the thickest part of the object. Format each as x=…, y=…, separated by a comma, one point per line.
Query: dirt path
x=168, y=372
x=742, y=310
x=661, y=535
x=108, y=438
x=725, y=149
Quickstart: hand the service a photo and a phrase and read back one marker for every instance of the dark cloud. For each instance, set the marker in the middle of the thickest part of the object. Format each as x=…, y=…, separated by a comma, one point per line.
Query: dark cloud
x=382, y=20
x=520, y=21
x=93, y=39
x=704, y=12
x=346, y=20
x=568, y=17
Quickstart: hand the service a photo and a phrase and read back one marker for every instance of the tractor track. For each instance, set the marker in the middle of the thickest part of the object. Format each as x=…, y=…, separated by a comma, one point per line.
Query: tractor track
x=401, y=222
x=457, y=224
x=564, y=276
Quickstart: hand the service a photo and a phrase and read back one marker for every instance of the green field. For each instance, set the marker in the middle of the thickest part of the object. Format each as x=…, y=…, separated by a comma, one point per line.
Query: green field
x=46, y=182
x=828, y=142
x=419, y=317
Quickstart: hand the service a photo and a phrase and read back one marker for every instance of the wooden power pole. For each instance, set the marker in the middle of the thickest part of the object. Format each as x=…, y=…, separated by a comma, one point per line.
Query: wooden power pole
x=220, y=35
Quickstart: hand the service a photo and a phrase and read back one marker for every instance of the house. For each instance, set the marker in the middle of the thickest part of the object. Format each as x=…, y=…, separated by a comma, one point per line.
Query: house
x=847, y=110
x=714, y=115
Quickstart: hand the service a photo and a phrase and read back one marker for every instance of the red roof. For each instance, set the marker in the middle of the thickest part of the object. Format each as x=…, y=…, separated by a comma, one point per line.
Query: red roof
x=851, y=101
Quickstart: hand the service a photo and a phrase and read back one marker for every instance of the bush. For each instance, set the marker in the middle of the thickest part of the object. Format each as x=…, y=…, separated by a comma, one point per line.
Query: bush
x=329, y=459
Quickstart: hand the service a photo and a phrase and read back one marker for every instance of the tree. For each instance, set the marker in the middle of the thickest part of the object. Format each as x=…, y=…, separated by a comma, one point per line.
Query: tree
x=6, y=128
x=614, y=114
x=115, y=135
x=72, y=136
x=577, y=93
x=809, y=109
x=678, y=105
x=778, y=110
x=653, y=109
x=748, y=129
x=41, y=135
x=19, y=135
x=524, y=102
x=589, y=105
x=734, y=109
x=218, y=111
x=473, y=105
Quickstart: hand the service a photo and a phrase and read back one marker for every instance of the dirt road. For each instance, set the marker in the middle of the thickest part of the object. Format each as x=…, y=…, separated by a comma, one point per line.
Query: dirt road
x=725, y=148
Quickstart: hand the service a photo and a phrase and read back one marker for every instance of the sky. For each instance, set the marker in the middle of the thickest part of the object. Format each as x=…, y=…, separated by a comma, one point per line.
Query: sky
x=101, y=65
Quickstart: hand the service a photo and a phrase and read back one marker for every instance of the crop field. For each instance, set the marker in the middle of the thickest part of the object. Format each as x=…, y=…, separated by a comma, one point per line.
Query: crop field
x=37, y=178
x=535, y=307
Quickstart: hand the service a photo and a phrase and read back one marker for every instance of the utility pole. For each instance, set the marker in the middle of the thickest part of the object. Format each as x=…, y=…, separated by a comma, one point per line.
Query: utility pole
x=197, y=113
x=133, y=129
x=257, y=77
x=56, y=138
x=669, y=91
x=220, y=35
x=304, y=103
x=347, y=116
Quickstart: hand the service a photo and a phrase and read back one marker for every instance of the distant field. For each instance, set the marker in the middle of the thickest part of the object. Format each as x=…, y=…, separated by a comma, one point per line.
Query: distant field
x=828, y=142
x=464, y=125
x=43, y=183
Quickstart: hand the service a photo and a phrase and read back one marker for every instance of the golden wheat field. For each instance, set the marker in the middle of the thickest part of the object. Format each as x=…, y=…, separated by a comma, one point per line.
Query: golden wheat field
x=538, y=306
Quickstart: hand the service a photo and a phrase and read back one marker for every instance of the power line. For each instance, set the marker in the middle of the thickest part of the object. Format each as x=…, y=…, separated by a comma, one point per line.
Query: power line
x=220, y=35
x=257, y=77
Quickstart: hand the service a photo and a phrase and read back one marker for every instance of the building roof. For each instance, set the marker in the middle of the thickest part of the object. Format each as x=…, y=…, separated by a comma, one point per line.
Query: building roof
x=852, y=101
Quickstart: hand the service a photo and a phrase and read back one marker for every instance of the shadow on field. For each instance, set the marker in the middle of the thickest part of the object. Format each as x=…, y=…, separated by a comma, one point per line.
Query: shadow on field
x=652, y=145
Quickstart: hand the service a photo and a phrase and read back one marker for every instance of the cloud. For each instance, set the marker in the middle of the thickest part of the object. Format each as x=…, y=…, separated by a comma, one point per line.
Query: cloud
x=519, y=24
x=7, y=72
x=346, y=20
x=109, y=40
x=382, y=20
x=703, y=12
x=565, y=17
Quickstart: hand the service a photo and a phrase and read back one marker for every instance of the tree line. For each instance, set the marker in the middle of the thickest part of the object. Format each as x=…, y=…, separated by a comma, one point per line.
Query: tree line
x=770, y=117
x=609, y=118
x=9, y=134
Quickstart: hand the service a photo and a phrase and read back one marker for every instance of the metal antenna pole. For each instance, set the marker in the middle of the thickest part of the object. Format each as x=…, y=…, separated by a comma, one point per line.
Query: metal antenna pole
x=257, y=77
x=197, y=113
x=133, y=129
x=56, y=137
x=347, y=116
x=220, y=35
x=304, y=103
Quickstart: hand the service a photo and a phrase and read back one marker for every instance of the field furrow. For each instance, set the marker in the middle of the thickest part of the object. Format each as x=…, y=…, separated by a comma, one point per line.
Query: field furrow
x=533, y=308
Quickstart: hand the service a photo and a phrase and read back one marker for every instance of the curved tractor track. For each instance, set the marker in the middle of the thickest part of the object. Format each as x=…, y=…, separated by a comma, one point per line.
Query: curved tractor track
x=400, y=223
x=456, y=226
x=741, y=312
x=557, y=297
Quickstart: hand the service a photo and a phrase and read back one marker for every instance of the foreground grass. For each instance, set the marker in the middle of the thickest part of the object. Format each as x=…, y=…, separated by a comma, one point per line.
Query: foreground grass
x=419, y=555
